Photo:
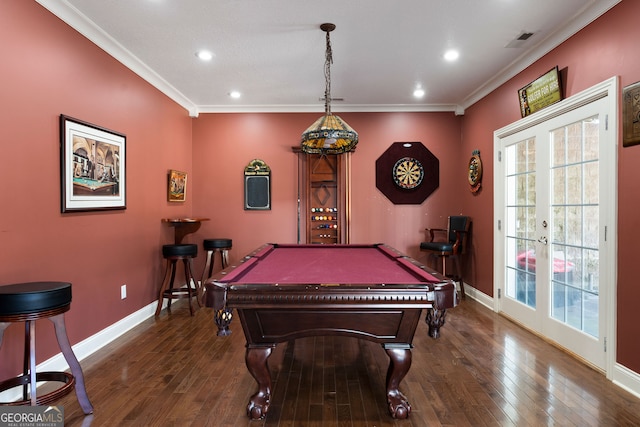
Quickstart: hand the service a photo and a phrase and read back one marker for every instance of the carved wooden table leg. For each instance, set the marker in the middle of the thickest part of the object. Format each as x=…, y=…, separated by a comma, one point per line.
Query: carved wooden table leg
x=435, y=319
x=70, y=357
x=256, y=360
x=400, y=362
x=223, y=319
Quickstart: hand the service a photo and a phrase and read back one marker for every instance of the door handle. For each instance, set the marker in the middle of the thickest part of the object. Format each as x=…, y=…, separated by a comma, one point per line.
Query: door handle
x=543, y=240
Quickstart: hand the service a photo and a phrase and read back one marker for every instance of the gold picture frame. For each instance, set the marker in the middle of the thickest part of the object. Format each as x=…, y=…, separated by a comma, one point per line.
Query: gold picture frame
x=177, y=189
x=631, y=115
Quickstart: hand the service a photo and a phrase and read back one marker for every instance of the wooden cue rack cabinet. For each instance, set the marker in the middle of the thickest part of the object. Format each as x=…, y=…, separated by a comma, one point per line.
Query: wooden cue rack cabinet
x=323, y=209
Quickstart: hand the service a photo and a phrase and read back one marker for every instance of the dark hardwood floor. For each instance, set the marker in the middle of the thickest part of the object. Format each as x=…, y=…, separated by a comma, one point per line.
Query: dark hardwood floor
x=482, y=371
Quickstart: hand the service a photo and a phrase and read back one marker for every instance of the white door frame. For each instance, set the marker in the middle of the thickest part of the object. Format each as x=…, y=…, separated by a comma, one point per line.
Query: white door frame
x=607, y=89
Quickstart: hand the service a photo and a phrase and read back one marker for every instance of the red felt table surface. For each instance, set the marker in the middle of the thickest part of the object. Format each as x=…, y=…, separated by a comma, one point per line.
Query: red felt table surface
x=327, y=265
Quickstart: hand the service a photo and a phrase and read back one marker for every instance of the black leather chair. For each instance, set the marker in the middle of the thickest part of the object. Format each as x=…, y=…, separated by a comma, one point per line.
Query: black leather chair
x=449, y=243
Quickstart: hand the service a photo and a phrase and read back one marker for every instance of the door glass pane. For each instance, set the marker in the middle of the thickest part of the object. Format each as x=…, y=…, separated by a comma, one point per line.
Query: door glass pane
x=559, y=178
x=575, y=217
x=591, y=223
x=559, y=221
x=573, y=225
x=521, y=222
x=592, y=190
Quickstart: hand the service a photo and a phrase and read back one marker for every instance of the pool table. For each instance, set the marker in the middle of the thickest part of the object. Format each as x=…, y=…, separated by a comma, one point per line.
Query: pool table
x=92, y=187
x=285, y=291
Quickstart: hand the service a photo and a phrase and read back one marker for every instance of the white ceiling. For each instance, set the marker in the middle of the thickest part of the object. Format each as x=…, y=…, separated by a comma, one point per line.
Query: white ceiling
x=273, y=51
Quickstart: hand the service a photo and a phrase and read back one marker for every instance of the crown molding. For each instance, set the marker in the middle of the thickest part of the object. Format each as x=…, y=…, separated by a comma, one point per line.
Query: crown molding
x=344, y=108
x=581, y=19
x=79, y=22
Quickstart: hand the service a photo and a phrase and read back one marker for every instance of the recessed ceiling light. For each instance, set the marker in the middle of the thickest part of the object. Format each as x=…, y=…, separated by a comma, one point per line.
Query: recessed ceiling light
x=451, y=55
x=205, y=55
x=418, y=92
x=234, y=94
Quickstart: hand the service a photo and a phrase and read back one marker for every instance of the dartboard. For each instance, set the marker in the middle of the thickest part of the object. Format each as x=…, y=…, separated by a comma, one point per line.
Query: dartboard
x=408, y=173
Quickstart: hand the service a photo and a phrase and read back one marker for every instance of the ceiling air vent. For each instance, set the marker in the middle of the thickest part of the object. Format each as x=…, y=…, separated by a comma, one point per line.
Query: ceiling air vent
x=524, y=36
x=520, y=40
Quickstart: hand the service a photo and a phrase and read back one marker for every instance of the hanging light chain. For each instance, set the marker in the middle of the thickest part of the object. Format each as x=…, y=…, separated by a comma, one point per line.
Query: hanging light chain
x=327, y=69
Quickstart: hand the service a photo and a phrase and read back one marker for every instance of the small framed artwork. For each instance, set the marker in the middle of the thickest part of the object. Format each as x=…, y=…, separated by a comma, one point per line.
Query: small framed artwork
x=631, y=115
x=177, y=186
x=92, y=167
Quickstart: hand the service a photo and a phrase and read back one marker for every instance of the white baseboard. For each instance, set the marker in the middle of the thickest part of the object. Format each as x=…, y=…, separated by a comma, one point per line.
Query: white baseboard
x=481, y=297
x=627, y=379
x=95, y=342
x=88, y=346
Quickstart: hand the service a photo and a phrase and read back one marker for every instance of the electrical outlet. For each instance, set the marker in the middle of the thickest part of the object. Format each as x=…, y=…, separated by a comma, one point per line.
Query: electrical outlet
x=123, y=291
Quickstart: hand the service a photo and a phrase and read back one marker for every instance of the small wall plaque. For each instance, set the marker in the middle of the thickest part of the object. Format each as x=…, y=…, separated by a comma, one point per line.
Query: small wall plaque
x=631, y=115
x=540, y=93
x=257, y=186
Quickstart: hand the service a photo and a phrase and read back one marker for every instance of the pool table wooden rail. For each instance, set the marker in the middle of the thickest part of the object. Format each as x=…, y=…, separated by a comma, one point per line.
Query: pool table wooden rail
x=321, y=299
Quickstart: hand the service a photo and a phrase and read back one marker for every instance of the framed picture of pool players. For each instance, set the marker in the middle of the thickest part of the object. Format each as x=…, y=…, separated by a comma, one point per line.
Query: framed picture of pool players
x=92, y=167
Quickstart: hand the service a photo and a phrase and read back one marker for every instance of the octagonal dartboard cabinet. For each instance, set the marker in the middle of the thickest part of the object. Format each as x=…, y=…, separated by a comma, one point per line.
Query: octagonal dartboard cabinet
x=407, y=173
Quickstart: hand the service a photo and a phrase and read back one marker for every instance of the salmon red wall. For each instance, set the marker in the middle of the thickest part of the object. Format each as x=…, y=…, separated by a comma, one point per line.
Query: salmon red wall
x=224, y=144
x=606, y=48
x=49, y=69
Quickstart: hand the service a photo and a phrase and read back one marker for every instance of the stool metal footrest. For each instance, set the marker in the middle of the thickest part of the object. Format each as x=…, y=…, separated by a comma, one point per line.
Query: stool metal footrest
x=185, y=292
x=23, y=380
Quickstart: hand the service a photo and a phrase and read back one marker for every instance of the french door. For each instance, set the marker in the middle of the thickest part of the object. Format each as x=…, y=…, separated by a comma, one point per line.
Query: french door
x=555, y=205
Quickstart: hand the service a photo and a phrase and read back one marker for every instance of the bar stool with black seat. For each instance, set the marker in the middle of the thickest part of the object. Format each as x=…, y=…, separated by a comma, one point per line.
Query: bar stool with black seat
x=213, y=246
x=173, y=254
x=28, y=302
x=451, y=244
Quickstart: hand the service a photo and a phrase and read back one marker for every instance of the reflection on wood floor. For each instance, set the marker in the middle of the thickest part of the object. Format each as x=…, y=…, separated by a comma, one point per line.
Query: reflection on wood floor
x=483, y=371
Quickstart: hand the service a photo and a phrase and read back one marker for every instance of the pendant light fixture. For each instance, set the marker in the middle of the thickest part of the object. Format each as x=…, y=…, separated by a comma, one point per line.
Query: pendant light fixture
x=329, y=134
